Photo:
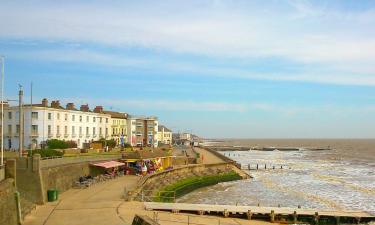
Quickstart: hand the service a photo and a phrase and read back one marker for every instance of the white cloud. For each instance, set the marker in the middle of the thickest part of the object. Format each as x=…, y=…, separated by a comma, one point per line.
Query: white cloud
x=303, y=33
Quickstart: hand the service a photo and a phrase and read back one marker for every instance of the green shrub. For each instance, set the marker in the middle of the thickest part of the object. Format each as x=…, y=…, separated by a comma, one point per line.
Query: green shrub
x=190, y=184
x=45, y=152
x=111, y=143
x=57, y=144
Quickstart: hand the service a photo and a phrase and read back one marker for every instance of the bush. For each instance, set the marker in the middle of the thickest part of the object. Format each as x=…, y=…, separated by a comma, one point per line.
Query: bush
x=111, y=143
x=57, y=144
x=71, y=144
x=45, y=152
x=190, y=184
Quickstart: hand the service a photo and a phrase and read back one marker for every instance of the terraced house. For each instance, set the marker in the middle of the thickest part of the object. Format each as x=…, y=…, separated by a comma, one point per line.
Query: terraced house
x=164, y=135
x=43, y=122
x=118, y=126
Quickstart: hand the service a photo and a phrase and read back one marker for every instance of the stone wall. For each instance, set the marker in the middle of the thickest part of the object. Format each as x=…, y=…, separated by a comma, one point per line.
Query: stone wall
x=62, y=177
x=8, y=204
x=152, y=183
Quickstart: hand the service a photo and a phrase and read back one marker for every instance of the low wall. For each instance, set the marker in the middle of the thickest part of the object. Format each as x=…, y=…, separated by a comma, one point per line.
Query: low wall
x=35, y=176
x=8, y=203
x=157, y=181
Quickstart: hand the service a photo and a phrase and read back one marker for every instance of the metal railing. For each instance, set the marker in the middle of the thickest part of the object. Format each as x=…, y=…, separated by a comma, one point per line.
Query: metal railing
x=157, y=196
x=189, y=219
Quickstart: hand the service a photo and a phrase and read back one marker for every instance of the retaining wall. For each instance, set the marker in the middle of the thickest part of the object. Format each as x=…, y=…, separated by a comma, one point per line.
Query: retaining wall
x=152, y=183
x=8, y=204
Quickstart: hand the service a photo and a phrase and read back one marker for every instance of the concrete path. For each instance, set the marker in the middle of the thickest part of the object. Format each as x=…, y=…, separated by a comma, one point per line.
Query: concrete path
x=208, y=157
x=102, y=204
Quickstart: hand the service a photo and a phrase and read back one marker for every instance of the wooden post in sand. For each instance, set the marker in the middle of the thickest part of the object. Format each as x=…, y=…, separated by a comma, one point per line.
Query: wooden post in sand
x=295, y=217
x=316, y=218
x=249, y=214
x=272, y=215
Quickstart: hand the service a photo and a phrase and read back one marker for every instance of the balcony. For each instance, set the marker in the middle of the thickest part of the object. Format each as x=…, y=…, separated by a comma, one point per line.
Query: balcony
x=66, y=135
x=58, y=135
x=94, y=135
x=74, y=135
x=50, y=135
x=80, y=135
x=34, y=134
x=87, y=135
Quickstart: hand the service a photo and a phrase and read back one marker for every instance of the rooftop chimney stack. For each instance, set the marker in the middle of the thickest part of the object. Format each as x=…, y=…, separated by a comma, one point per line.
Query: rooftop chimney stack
x=55, y=104
x=44, y=102
x=85, y=108
x=70, y=106
x=98, y=109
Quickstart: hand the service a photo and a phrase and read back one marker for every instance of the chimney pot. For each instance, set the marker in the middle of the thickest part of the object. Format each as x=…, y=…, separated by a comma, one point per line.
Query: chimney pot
x=98, y=109
x=70, y=106
x=44, y=102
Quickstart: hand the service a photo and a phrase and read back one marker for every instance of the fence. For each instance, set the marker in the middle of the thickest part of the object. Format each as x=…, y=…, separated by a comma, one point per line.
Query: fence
x=157, y=196
x=190, y=219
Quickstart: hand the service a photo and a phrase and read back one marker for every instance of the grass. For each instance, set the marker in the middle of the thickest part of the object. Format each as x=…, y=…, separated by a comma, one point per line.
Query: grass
x=182, y=187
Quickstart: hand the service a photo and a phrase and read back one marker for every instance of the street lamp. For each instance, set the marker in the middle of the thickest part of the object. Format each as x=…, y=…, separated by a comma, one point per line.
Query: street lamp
x=2, y=111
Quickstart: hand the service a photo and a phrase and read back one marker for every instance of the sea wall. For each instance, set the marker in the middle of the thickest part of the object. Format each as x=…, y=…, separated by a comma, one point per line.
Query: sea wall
x=8, y=203
x=151, y=183
x=35, y=176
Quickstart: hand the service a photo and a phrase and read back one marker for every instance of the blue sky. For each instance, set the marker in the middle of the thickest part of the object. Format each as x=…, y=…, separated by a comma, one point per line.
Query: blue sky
x=248, y=69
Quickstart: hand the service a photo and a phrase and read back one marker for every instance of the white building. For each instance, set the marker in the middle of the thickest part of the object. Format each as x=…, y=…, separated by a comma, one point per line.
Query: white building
x=43, y=122
x=142, y=131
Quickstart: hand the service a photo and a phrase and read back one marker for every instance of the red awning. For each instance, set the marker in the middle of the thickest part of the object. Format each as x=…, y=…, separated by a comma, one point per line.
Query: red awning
x=108, y=164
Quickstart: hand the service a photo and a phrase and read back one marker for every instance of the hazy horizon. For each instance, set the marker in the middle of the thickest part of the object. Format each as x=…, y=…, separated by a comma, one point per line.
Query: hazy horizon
x=258, y=69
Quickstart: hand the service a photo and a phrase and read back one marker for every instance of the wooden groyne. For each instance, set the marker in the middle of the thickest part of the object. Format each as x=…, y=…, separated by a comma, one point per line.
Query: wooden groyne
x=273, y=214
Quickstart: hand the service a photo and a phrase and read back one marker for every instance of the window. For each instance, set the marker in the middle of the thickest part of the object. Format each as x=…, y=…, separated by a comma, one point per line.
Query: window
x=9, y=129
x=49, y=129
x=113, y=131
x=73, y=117
x=73, y=130
x=66, y=116
x=17, y=129
x=93, y=119
x=49, y=116
x=100, y=131
x=80, y=130
x=87, y=119
x=10, y=115
x=34, y=115
x=80, y=118
x=34, y=129
x=106, y=131
x=100, y=120
x=58, y=116
x=106, y=120
x=93, y=131
x=87, y=131
x=58, y=129
x=66, y=130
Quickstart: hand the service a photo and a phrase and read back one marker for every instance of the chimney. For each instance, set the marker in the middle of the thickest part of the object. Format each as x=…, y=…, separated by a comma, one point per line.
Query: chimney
x=44, y=102
x=84, y=108
x=55, y=104
x=98, y=109
x=70, y=106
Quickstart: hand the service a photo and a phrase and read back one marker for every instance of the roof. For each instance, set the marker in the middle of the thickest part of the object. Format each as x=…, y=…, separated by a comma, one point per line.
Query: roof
x=108, y=164
x=145, y=154
x=160, y=129
x=119, y=115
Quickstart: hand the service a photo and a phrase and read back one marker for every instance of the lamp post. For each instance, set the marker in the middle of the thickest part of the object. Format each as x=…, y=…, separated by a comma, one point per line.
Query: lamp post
x=2, y=111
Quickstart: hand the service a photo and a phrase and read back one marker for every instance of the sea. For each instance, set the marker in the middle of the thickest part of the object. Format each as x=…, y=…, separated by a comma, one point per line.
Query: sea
x=342, y=178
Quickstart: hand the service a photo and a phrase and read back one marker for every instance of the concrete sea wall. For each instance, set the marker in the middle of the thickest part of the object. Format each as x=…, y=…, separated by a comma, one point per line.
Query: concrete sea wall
x=152, y=183
x=8, y=203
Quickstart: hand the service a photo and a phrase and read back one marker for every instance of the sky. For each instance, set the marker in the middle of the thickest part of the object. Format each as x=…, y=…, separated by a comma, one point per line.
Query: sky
x=220, y=69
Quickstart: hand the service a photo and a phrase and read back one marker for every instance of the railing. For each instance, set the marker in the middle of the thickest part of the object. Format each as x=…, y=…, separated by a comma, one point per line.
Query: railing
x=189, y=219
x=159, y=196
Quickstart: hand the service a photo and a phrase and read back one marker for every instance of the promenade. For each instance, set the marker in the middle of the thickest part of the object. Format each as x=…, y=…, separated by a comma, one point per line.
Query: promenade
x=208, y=157
x=103, y=203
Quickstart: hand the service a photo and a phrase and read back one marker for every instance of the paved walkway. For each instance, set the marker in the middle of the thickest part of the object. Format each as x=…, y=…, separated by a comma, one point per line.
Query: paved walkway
x=208, y=157
x=102, y=204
